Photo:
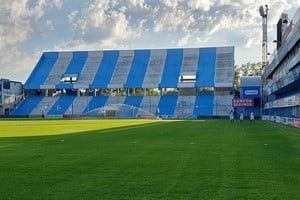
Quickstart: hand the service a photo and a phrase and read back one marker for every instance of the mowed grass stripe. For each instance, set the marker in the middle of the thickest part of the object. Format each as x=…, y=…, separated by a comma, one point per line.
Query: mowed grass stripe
x=196, y=159
x=17, y=128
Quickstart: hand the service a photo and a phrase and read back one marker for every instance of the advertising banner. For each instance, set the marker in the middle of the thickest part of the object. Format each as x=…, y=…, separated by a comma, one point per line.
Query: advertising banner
x=296, y=123
x=298, y=99
x=242, y=102
x=250, y=92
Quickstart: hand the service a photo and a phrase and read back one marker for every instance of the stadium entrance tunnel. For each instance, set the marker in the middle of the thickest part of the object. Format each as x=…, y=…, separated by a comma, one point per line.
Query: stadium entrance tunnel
x=120, y=111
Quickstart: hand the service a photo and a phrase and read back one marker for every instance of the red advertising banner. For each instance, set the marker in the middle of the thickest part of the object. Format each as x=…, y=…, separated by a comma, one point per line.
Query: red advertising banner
x=296, y=123
x=242, y=102
x=297, y=99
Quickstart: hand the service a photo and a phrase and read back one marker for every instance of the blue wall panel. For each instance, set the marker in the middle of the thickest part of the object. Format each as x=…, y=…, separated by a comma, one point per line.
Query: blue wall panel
x=106, y=69
x=172, y=68
x=138, y=69
x=206, y=67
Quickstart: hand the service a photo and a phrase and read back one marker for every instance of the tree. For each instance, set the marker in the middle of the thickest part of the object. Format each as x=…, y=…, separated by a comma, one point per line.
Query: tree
x=251, y=69
x=248, y=69
x=237, y=76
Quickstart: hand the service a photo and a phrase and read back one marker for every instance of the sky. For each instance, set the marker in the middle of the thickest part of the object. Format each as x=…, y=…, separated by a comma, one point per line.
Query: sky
x=30, y=27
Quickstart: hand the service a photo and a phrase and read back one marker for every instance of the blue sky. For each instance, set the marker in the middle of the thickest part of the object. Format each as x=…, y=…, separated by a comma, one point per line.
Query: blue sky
x=29, y=27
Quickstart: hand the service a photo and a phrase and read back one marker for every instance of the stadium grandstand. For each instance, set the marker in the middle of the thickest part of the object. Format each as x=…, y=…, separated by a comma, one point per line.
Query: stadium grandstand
x=281, y=78
x=164, y=83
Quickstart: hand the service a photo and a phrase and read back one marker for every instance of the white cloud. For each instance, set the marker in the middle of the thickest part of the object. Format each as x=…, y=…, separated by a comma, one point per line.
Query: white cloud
x=96, y=13
x=78, y=44
x=15, y=64
x=17, y=21
x=58, y=3
x=119, y=25
x=72, y=16
x=251, y=42
x=184, y=40
x=49, y=24
x=170, y=3
x=108, y=20
x=137, y=3
x=170, y=20
x=200, y=4
x=17, y=18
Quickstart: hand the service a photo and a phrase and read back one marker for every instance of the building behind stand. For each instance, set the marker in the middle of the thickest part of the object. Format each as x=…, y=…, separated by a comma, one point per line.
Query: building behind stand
x=11, y=93
x=281, y=78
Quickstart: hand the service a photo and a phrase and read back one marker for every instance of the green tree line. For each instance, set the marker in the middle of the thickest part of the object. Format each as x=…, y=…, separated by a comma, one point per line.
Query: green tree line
x=248, y=69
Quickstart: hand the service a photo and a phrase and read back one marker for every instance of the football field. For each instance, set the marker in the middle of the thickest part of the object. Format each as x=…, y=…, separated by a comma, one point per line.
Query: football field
x=148, y=159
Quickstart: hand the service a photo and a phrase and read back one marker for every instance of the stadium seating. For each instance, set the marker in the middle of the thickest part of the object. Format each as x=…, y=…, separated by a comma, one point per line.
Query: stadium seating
x=78, y=106
x=185, y=107
x=189, y=61
x=224, y=72
x=81, y=82
x=138, y=69
x=206, y=68
x=26, y=106
x=115, y=100
x=89, y=70
x=166, y=106
x=41, y=71
x=96, y=102
x=172, y=67
x=121, y=70
x=154, y=70
x=133, y=101
x=150, y=103
x=105, y=70
x=61, y=106
x=58, y=69
x=43, y=107
x=221, y=103
x=204, y=105
x=77, y=63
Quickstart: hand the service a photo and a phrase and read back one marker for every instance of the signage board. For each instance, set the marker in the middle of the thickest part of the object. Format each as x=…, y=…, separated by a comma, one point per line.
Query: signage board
x=242, y=102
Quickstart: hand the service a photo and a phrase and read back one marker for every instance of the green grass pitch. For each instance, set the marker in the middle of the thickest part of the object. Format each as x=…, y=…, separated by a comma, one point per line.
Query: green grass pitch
x=148, y=159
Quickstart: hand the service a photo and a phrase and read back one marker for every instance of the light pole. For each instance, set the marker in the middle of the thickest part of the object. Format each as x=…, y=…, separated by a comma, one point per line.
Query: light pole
x=263, y=11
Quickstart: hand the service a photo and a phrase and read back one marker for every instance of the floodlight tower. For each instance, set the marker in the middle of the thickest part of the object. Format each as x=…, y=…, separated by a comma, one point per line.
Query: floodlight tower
x=263, y=11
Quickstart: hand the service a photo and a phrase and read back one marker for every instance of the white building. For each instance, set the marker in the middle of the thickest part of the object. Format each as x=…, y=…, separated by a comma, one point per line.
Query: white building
x=11, y=92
